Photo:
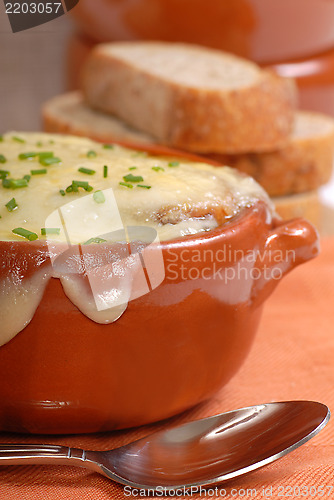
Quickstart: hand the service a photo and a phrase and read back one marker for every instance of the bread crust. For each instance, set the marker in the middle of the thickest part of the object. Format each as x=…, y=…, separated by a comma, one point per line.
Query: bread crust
x=257, y=116
x=304, y=164
x=68, y=114
x=306, y=205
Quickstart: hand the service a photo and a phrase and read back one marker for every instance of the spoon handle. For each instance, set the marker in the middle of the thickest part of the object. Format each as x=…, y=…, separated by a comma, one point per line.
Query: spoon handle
x=27, y=454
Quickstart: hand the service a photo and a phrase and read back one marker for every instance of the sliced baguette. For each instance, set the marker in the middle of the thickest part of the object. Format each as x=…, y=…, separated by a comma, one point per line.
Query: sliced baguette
x=306, y=205
x=69, y=114
x=191, y=97
x=303, y=165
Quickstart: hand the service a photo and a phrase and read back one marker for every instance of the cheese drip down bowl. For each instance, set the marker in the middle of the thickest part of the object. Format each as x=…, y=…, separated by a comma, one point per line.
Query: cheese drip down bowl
x=191, y=256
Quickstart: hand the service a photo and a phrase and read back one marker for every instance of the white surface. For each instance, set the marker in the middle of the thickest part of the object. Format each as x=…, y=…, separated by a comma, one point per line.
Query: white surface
x=326, y=193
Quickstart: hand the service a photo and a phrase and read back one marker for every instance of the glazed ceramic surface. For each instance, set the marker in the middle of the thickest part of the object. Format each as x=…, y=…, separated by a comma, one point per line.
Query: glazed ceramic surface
x=303, y=50
x=265, y=31
x=171, y=349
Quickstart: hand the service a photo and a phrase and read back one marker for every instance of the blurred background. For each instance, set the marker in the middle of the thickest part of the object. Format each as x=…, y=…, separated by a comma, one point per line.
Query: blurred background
x=31, y=70
x=296, y=38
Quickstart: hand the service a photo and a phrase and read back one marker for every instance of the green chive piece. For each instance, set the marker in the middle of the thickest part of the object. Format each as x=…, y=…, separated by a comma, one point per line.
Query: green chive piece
x=38, y=171
x=39, y=144
x=173, y=163
x=99, y=197
x=2, y=159
x=108, y=146
x=105, y=171
x=1, y=138
x=87, y=171
x=11, y=205
x=133, y=178
x=91, y=154
x=133, y=168
x=62, y=192
x=126, y=184
x=158, y=169
x=143, y=186
x=49, y=161
x=18, y=139
x=94, y=240
x=45, y=154
x=69, y=189
x=29, y=235
x=27, y=177
x=50, y=230
x=83, y=184
x=3, y=174
x=27, y=156
x=14, y=183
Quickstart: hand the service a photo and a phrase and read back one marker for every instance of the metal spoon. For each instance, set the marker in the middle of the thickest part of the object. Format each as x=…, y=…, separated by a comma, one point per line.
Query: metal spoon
x=198, y=453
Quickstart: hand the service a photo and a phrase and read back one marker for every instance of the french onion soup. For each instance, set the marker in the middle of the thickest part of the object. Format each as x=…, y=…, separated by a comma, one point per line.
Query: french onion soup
x=69, y=194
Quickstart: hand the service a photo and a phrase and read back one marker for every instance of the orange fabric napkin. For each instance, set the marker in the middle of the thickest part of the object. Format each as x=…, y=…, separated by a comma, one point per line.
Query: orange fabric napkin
x=292, y=358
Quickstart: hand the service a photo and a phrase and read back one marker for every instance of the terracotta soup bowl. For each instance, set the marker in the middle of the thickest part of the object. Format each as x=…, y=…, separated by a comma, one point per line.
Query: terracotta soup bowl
x=172, y=347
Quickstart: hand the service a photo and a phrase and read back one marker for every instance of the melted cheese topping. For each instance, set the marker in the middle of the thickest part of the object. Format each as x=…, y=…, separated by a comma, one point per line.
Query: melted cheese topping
x=143, y=198
x=172, y=183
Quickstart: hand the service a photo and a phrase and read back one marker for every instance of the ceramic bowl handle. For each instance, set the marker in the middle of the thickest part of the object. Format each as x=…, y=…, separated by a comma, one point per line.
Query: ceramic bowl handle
x=288, y=244
x=296, y=241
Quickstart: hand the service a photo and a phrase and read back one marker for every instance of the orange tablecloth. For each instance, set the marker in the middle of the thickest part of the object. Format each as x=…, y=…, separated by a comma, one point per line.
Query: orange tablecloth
x=292, y=358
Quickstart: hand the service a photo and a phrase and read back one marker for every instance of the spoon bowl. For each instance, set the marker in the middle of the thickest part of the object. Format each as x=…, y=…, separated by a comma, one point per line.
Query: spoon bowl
x=198, y=453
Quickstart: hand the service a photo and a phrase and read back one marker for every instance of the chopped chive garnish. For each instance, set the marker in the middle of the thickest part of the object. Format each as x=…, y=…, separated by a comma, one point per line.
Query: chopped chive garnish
x=77, y=184
x=83, y=184
x=157, y=169
x=87, y=171
x=173, y=163
x=108, y=146
x=50, y=230
x=99, y=197
x=1, y=138
x=94, y=240
x=27, y=177
x=2, y=159
x=29, y=235
x=74, y=187
x=91, y=154
x=11, y=205
x=45, y=154
x=39, y=144
x=126, y=184
x=49, y=161
x=143, y=186
x=38, y=171
x=133, y=168
x=133, y=178
x=18, y=139
x=3, y=174
x=26, y=156
x=14, y=183
x=105, y=171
